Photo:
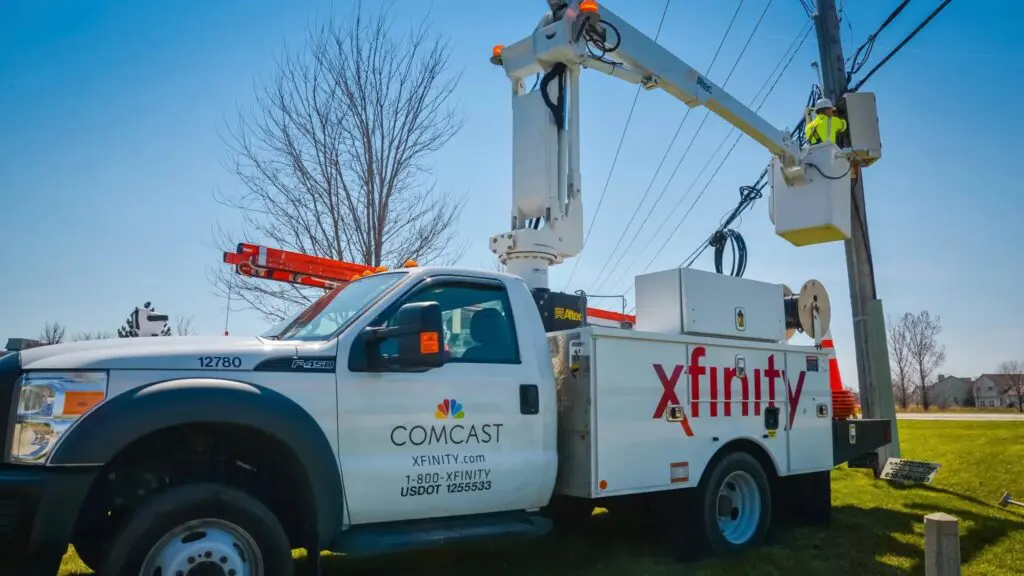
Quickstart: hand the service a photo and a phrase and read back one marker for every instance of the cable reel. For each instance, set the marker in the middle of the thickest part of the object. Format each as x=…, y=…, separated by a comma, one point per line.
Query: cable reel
x=808, y=311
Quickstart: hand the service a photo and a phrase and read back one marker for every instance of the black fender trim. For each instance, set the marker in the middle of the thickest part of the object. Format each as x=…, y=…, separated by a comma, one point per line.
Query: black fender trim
x=119, y=421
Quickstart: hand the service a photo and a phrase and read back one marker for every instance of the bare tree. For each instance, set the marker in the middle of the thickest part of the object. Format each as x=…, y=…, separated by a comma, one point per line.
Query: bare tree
x=53, y=333
x=185, y=327
x=926, y=354
x=899, y=358
x=334, y=162
x=1012, y=374
x=92, y=335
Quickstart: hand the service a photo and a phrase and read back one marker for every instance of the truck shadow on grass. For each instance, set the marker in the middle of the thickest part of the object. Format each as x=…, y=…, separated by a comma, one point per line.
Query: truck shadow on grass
x=860, y=541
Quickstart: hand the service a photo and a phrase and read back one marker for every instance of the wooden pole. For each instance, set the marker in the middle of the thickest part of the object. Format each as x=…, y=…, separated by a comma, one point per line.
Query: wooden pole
x=941, y=545
x=870, y=339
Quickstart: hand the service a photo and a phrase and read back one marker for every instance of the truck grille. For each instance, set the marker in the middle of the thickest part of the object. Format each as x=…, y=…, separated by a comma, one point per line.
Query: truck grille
x=10, y=367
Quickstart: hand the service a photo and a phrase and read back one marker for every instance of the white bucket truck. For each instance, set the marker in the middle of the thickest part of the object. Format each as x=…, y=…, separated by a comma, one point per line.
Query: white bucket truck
x=420, y=406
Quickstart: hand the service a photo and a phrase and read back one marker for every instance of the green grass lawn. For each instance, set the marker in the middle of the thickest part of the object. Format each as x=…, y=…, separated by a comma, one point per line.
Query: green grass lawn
x=957, y=410
x=877, y=528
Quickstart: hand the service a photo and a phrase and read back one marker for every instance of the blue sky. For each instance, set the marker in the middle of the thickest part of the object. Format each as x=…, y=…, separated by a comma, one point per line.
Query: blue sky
x=111, y=115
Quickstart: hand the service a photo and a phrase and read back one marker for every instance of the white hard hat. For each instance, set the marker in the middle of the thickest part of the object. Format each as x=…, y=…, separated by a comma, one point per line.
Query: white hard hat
x=823, y=103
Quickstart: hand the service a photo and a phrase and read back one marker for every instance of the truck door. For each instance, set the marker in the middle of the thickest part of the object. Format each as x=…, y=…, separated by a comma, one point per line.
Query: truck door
x=452, y=440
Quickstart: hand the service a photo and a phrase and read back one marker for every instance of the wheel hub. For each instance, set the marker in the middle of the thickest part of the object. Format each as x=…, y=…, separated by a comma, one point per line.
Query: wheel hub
x=739, y=508
x=206, y=569
x=205, y=548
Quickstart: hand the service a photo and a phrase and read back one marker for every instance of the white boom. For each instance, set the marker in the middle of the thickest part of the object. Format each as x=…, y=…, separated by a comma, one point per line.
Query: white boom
x=547, y=210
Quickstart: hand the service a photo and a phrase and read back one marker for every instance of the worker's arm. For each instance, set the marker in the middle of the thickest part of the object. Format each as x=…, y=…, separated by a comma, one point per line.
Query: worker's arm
x=811, y=127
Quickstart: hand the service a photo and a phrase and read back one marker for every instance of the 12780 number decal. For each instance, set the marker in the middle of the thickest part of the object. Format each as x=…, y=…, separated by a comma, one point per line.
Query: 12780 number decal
x=220, y=362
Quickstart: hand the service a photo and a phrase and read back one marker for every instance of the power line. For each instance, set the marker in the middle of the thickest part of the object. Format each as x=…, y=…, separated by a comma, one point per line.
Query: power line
x=744, y=202
x=784, y=62
x=857, y=60
x=670, y=144
x=748, y=193
x=760, y=185
x=844, y=16
x=693, y=140
x=615, y=159
x=900, y=46
x=858, y=63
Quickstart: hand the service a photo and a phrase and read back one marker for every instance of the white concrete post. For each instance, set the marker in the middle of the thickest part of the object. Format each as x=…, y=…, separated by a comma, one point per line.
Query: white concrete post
x=941, y=545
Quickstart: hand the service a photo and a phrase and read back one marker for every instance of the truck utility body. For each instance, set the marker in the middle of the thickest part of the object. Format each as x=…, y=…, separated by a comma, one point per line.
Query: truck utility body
x=639, y=411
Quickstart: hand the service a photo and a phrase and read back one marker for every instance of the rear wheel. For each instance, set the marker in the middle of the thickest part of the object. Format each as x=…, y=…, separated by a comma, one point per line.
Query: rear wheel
x=735, y=504
x=200, y=529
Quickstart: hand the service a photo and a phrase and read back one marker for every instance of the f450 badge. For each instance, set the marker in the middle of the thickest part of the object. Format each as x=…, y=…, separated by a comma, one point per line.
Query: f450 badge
x=313, y=364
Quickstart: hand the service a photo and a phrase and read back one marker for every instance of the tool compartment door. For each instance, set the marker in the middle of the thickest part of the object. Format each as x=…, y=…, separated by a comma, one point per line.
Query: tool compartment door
x=810, y=412
x=642, y=446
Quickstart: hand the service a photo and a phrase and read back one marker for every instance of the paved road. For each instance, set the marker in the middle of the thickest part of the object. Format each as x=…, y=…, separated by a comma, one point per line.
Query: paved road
x=962, y=416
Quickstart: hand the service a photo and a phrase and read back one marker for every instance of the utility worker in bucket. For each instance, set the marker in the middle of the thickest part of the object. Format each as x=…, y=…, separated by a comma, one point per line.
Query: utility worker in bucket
x=826, y=125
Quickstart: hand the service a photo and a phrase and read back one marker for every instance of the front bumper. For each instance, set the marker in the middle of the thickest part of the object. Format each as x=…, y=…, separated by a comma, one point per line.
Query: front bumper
x=38, y=510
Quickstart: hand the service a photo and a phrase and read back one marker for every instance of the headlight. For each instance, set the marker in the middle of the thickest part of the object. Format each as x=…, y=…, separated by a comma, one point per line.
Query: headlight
x=48, y=404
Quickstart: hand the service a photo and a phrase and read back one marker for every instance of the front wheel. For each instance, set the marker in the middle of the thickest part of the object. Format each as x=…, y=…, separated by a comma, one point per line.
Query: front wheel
x=735, y=504
x=201, y=529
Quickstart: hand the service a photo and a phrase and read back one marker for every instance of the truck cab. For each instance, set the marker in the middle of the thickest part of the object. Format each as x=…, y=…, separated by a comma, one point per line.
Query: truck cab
x=429, y=429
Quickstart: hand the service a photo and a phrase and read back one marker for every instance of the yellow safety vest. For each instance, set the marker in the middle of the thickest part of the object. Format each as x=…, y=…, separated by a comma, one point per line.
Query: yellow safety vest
x=824, y=129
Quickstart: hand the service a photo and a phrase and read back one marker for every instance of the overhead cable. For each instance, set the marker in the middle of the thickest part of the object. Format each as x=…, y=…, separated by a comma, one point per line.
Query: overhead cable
x=900, y=46
x=679, y=163
x=781, y=67
x=748, y=194
x=860, y=56
x=615, y=159
x=670, y=144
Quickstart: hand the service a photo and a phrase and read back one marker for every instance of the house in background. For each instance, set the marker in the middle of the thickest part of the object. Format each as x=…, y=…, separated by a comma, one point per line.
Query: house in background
x=993, y=391
x=950, y=391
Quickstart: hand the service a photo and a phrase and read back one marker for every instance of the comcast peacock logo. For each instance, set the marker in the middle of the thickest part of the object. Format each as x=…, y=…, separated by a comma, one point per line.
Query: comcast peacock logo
x=449, y=409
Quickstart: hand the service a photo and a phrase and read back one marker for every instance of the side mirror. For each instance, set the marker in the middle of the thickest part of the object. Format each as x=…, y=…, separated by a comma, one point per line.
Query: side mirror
x=418, y=332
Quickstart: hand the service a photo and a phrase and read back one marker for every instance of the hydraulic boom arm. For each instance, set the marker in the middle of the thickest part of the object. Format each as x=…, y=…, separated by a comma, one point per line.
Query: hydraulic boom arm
x=547, y=219
x=639, y=59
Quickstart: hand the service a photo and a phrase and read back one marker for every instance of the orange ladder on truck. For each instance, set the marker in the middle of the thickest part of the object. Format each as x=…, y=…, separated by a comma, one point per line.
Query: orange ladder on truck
x=257, y=261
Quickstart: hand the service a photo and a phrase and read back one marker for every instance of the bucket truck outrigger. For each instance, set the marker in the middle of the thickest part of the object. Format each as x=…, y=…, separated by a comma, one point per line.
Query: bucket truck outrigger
x=413, y=407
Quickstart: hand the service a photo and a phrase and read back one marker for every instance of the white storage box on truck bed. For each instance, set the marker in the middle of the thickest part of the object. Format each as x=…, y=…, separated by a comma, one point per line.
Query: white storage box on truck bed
x=644, y=412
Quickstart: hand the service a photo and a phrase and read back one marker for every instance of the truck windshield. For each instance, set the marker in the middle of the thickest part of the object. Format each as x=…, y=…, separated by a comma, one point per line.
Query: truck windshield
x=334, y=310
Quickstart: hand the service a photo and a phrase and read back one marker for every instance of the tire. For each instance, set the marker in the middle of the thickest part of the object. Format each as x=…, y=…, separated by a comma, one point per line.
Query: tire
x=738, y=488
x=205, y=523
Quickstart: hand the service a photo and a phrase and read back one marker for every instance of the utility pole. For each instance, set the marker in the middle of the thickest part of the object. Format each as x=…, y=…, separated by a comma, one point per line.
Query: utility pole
x=874, y=378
